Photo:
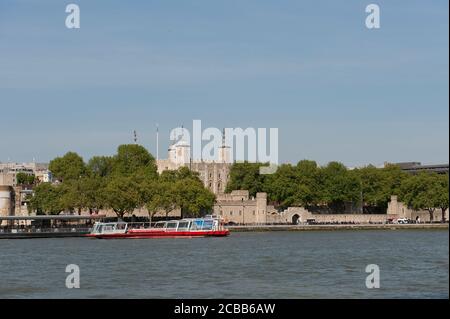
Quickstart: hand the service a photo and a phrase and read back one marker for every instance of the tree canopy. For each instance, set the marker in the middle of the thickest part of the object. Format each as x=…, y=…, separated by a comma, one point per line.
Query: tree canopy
x=46, y=200
x=134, y=160
x=25, y=179
x=69, y=167
x=123, y=183
x=426, y=191
x=246, y=176
x=308, y=185
x=129, y=180
x=101, y=166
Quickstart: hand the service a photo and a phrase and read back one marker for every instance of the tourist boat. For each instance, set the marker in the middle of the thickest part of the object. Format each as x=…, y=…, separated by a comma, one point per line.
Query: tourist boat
x=190, y=227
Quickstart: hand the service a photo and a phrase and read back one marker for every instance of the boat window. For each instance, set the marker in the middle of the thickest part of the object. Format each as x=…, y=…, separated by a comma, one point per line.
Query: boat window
x=197, y=224
x=172, y=225
x=183, y=225
x=160, y=225
x=208, y=225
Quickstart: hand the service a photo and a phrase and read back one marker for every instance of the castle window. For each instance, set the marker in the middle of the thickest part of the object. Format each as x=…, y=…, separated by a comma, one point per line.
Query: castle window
x=231, y=213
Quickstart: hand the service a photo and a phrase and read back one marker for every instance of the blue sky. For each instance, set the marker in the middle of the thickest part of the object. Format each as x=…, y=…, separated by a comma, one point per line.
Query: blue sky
x=335, y=89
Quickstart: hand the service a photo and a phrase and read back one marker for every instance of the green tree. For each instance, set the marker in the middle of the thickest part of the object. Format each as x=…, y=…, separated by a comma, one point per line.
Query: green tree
x=379, y=184
x=101, y=165
x=69, y=167
x=338, y=185
x=192, y=197
x=173, y=176
x=25, y=179
x=372, y=186
x=294, y=185
x=71, y=196
x=160, y=196
x=422, y=191
x=86, y=193
x=308, y=188
x=246, y=176
x=94, y=193
x=134, y=160
x=122, y=194
x=182, y=189
x=393, y=177
x=283, y=187
x=46, y=200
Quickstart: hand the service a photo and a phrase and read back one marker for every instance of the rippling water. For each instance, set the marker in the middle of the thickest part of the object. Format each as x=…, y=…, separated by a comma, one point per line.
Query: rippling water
x=414, y=264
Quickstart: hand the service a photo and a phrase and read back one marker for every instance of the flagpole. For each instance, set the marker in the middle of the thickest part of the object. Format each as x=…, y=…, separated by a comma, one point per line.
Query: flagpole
x=157, y=141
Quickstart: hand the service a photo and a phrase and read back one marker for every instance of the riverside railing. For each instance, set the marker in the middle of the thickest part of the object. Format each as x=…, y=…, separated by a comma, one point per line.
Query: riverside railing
x=45, y=230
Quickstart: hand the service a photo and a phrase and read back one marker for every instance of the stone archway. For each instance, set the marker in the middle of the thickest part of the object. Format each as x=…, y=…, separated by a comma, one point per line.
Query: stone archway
x=296, y=219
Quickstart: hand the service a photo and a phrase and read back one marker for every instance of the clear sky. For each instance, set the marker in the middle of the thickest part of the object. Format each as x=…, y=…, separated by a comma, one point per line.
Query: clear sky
x=335, y=89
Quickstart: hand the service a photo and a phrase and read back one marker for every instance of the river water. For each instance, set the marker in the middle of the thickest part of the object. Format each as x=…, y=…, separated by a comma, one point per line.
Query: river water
x=322, y=264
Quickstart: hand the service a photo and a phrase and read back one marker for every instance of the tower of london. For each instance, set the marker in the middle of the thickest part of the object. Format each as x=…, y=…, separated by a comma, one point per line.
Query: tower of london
x=214, y=174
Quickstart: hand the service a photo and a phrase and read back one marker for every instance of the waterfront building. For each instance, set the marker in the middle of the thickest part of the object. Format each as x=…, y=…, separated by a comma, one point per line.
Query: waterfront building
x=417, y=167
x=213, y=174
x=9, y=171
x=7, y=179
x=6, y=201
x=238, y=208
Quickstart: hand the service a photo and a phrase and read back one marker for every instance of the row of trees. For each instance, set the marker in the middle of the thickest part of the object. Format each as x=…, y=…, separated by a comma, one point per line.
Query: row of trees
x=308, y=185
x=123, y=183
x=129, y=180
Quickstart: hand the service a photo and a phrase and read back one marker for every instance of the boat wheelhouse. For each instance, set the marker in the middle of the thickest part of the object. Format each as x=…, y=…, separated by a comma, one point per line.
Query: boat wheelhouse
x=209, y=226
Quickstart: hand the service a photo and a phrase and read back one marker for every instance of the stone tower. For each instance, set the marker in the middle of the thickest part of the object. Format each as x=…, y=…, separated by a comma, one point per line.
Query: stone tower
x=6, y=201
x=261, y=208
